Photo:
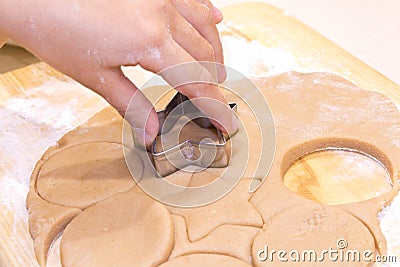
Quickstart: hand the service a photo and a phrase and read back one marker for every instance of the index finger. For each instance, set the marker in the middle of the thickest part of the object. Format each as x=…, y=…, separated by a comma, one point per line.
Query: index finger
x=201, y=17
x=196, y=80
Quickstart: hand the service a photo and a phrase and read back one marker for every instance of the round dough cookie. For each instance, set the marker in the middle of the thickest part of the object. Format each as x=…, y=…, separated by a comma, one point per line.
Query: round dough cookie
x=310, y=235
x=128, y=229
x=200, y=260
x=82, y=175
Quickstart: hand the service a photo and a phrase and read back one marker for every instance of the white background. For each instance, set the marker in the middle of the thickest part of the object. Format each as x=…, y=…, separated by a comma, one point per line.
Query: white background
x=368, y=29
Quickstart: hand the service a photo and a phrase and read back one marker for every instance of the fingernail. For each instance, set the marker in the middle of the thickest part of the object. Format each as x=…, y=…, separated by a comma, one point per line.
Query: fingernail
x=228, y=128
x=222, y=75
x=142, y=137
x=218, y=15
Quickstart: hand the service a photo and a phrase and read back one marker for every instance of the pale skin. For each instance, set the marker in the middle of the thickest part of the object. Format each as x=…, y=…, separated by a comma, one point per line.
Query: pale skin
x=89, y=40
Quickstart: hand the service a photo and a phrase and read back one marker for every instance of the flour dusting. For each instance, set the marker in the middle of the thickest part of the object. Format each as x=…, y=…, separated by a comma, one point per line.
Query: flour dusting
x=253, y=59
x=30, y=124
x=389, y=218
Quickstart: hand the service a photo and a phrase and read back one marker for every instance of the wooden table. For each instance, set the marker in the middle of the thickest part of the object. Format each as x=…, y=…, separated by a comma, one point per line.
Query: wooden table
x=35, y=131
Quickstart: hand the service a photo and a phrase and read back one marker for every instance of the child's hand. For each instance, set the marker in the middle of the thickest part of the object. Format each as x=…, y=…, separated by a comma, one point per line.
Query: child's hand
x=90, y=40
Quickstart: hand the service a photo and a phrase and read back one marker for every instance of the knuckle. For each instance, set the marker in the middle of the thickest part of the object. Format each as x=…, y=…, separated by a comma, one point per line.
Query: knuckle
x=165, y=6
x=156, y=35
x=205, y=12
x=197, y=90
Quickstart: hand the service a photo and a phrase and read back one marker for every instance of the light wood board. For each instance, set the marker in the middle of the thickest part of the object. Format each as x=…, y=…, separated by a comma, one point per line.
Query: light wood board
x=252, y=21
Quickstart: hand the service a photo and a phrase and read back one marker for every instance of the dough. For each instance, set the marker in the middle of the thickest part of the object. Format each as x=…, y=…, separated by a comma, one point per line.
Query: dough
x=187, y=179
x=195, y=132
x=318, y=110
x=179, y=133
x=200, y=260
x=128, y=229
x=105, y=126
x=216, y=241
x=205, y=177
x=233, y=209
x=84, y=174
x=312, y=228
x=184, y=131
x=311, y=112
x=46, y=221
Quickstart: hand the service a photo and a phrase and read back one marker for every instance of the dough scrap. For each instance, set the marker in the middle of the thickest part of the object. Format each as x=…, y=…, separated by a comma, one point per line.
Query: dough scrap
x=46, y=221
x=312, y=228
x=200, y=260
x=128, y=229
x=82, y=175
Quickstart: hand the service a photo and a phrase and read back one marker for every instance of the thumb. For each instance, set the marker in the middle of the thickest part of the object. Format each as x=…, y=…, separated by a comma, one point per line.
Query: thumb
x=131, y=103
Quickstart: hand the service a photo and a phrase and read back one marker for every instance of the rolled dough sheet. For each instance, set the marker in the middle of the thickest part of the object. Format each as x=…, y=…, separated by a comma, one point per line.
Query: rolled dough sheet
x=311, y=112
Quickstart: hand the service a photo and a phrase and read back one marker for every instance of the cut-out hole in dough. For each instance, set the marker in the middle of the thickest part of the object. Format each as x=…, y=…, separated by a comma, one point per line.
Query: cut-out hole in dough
x=337, y=176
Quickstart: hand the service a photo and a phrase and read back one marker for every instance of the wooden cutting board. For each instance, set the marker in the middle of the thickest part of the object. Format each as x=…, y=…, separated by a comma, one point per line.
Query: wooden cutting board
x=251, y=21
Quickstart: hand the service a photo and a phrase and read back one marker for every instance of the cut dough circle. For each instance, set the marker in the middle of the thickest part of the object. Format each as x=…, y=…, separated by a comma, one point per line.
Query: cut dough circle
x=312, y=228
x=82, y=175
x=128, y=229
x=200, y=260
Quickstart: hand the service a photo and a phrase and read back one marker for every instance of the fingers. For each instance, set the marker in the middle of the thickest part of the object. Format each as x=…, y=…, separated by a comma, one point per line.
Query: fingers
x=216, y=13
x=201, y=18
x=206, y=95
x=130, y=103
x=2, y=40
x=190, y=39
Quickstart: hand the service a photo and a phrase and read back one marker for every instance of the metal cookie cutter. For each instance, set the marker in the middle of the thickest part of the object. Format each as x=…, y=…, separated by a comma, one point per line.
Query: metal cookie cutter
x=205, y=153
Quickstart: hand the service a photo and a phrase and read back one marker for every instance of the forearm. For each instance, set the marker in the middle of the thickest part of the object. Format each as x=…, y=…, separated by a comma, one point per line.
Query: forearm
x=31, y=24
x=14, y=19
